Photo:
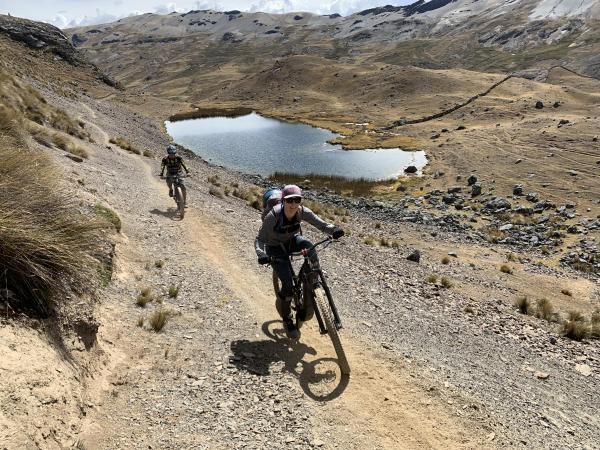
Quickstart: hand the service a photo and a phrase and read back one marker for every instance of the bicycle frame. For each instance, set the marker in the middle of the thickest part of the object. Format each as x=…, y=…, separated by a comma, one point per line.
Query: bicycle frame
x=301, y=279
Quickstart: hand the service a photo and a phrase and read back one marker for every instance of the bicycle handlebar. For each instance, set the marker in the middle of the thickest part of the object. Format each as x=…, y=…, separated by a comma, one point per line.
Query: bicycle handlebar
x=304, y=252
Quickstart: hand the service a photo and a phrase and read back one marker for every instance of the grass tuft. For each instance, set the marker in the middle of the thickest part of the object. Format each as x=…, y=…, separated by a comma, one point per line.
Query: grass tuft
x=575, y=329
x=445, y=260
x=446, y=283
x=47, y=248
x=566, y=292
x=159, y=318
x=173, y=291
x=145, y=296
x=505, y=269
x=523, y=304
x=125, y=145
x=433, y=278
x=159, y=263
x=544, y=309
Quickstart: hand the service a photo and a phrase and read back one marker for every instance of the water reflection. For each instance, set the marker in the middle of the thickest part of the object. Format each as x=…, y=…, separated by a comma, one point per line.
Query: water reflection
x=256, y=144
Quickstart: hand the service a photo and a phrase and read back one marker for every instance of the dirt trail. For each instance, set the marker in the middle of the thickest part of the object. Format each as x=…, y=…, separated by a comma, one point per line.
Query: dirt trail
x=378, y=407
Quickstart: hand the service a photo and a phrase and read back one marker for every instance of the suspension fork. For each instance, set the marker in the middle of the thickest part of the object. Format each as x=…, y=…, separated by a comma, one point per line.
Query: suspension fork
x=336, y=316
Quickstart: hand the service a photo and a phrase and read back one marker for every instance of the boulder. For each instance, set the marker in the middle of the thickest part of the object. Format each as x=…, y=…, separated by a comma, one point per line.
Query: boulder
x=411, y=169
x=471, y=180
x=518, y=189
x=498, y=204
x=539, y=105
x=476, y=189
x=415, y=256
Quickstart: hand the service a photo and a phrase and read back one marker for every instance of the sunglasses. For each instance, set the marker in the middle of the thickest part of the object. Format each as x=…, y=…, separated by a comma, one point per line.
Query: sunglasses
x=293, y=200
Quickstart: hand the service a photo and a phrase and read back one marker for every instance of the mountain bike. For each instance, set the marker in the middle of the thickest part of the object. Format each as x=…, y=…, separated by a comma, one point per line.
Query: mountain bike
x=312, y=297
x=177, y=193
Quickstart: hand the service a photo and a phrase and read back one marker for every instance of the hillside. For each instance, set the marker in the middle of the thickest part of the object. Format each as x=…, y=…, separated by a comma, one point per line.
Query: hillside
x=490, y=340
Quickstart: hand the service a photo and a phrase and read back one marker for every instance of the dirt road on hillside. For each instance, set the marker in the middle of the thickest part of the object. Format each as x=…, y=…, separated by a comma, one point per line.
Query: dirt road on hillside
x=225, y=308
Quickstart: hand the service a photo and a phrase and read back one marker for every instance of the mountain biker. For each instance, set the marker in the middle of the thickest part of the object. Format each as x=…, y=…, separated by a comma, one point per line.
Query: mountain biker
x=280, y=235
x=173, y=164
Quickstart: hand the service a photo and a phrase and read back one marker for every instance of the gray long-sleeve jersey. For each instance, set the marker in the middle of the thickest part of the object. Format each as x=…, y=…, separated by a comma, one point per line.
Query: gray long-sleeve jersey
x=270, y=233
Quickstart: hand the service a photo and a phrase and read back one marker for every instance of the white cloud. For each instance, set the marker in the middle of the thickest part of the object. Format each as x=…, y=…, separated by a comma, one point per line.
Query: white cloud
x=167, y=8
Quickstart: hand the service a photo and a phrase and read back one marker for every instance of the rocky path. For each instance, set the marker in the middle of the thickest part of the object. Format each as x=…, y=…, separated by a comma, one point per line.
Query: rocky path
x=432, y=367
x=221, y=374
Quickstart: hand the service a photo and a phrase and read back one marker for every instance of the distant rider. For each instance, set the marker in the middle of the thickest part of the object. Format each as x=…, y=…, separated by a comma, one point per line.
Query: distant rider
x=280, y=235
x=174, y=163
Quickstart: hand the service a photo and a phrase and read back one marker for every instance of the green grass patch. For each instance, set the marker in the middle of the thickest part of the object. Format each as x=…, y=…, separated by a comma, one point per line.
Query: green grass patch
x=109, y=215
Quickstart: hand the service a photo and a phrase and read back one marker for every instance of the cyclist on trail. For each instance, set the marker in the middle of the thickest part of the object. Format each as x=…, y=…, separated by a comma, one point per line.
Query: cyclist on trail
x=173, y=164
x=280, y=235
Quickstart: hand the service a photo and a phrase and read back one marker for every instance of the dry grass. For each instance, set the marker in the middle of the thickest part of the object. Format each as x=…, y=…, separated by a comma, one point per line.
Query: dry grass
x=65, y=143
x=505, y=269
x=576, y=329
x=200, y=113
x=432, y=278
x=545, y=310
x=446, y=283
x=355, y=187
x=47, y=246
x=214, y=180
x=140, y=321
x=145, y=296
x=523, y=304
x=253, y=196
x=125, y=145
x=216, y=192
x=109, y=215
x=159, y=319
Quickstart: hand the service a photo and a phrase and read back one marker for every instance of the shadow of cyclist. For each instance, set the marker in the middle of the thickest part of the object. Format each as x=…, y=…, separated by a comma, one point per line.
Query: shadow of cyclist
x=170, y=213
x=319, y=379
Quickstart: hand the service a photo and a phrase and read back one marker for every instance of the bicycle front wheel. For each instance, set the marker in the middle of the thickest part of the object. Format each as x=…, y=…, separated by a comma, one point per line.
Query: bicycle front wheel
x=179, y=200
x=322, y=302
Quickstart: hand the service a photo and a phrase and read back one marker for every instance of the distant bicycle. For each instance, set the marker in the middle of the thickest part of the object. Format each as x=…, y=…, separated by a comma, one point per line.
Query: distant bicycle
x=312, y=297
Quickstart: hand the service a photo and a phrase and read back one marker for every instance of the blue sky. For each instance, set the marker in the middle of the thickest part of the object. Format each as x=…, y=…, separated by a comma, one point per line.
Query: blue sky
x=66, y=13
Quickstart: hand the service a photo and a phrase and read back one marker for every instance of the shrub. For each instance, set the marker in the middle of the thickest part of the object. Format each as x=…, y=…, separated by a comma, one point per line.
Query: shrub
x=216, y=192
x=145, y=296
x=505, y=269
x=173, y=291
x=159, y=318
x=47, y=247
x=544, y=309
x=576, y=316
x=214, y=179
x=523, y=304
x=511, y=257
x=445, y=260
x=159, y=263
x=595, y=328
x=432, y=278
x=446, y=283
x=370, y=240
x=109, y=215
x=575, y=329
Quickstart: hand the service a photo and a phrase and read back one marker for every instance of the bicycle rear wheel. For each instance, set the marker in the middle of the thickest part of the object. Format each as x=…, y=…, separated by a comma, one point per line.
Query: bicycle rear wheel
x=327, y=316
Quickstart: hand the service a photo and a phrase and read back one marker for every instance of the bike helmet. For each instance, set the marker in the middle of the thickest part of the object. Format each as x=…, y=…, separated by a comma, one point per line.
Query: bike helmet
x=270, y=198
x=291, y=190
x=171, y=150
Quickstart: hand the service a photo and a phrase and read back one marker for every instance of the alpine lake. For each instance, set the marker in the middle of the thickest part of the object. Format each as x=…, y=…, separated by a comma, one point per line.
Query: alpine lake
x=255, y=144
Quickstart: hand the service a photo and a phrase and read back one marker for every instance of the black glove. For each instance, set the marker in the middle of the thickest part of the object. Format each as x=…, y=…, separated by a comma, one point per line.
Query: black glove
x=337, y=233
x=264, y=260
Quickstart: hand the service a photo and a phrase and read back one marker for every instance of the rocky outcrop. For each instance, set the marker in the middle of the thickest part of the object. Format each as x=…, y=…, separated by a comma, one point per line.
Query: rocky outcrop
x=40, y=36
